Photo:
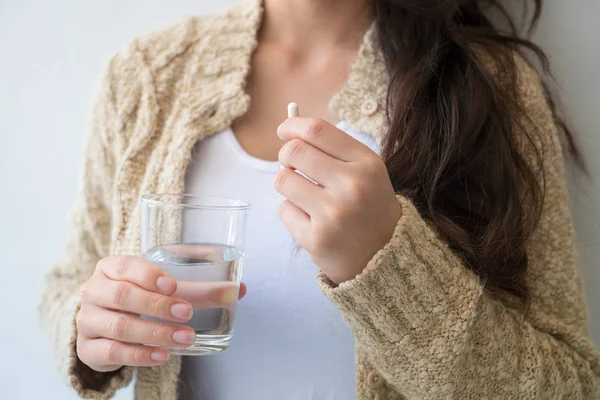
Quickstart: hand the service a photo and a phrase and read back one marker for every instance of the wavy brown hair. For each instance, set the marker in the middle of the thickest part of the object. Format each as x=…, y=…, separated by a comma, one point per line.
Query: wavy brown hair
x=451, y=145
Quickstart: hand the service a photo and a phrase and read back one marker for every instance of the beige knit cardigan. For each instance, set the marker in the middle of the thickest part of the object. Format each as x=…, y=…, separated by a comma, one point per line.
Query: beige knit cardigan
x=424, y=326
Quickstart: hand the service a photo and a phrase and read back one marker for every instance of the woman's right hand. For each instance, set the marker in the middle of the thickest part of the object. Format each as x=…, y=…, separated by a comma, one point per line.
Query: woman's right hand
x=110, y=334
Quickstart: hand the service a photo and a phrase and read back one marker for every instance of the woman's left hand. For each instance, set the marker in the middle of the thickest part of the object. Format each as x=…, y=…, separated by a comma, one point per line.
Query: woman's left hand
x=351, y=214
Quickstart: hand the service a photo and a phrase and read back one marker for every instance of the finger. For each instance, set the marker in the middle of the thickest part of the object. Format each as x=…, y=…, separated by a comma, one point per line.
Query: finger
x=138, y=271
x=125, y=296
x=203, y=295
x=324, y=137
x=300, y=191
x=243, y=291
x=296, y=221
x=319, y=166
x=193, y=251
x=107, y=352
x=100, y=322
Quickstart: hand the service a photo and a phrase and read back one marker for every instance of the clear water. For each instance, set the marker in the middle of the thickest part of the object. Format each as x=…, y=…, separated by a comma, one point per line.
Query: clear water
x=205, y=273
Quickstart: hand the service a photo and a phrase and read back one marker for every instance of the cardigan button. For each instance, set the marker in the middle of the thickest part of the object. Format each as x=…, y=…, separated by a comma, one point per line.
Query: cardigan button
x=368, y=107
x=374, y=380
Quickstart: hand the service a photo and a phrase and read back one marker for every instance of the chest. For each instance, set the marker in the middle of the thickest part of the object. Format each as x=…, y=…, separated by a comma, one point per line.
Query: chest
x=284, y=316
x=158, y=143
x=278, y=77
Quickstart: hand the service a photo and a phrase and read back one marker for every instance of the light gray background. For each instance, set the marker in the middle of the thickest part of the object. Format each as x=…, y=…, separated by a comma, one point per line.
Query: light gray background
x=52, y=53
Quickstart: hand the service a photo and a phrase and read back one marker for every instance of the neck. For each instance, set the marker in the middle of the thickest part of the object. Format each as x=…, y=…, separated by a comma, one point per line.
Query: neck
x=306, y=24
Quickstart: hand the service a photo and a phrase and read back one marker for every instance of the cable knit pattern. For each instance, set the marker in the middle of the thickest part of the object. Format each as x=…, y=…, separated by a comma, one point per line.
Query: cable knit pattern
x=425, y=327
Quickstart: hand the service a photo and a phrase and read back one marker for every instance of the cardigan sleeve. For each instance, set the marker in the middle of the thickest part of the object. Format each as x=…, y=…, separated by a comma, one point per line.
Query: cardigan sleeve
x=427, y=325
x=89, y=241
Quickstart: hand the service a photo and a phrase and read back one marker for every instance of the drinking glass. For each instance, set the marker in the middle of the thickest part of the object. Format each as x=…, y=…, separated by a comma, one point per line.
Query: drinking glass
x=199, y=241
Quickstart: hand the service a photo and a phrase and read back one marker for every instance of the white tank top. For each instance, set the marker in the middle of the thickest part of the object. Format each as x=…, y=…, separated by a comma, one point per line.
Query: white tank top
x=290, y=342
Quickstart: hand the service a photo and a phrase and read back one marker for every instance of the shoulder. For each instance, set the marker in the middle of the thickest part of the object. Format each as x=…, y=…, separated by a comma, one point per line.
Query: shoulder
x=532, y=110
x=524, y=80
x=156, y=67
x=162, y=45
x=536, y=115
x=525, y=76
x=206, y=32
x=188, y=40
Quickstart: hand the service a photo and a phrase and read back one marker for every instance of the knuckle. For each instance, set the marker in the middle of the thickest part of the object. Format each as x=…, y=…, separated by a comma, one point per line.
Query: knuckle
x=335, y=213
x=80, y=319
x=160, y=334
x=118, y=327
x=315, y=130
x=373, y=163
x=293, y=150
x=281, y=179
x=138, y=355
x=119, y=293
x=112, y=352
x=149, y=274
x=84, y=292
x=122, y=265
x=282, y=209
x=80, y=350
x=156, y=305
x=356, y=189
x=101, y=264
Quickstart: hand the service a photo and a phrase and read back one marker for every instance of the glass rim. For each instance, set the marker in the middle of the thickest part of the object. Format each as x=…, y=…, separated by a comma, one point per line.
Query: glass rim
x=236, y=204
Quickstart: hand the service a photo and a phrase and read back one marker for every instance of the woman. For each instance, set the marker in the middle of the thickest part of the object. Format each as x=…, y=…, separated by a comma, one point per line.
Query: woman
x=450, y=256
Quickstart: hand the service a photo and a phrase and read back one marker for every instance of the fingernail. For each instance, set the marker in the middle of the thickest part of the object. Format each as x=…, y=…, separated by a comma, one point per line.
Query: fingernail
x=184, y=337
x=159, y=356
x=230, y=296
x=166, y=285
x=182, y=311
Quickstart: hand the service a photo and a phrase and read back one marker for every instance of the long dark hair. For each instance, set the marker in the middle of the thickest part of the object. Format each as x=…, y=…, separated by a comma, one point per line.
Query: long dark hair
x=451, y=145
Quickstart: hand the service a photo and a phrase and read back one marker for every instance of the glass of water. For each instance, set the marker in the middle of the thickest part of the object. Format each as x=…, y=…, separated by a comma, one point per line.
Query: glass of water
x=199, y=241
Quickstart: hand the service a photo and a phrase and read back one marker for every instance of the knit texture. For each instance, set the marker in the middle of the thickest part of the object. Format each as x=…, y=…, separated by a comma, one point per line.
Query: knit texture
x=425, y=327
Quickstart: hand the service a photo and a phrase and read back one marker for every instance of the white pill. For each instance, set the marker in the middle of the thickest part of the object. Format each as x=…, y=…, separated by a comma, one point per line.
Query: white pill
x=293, y=110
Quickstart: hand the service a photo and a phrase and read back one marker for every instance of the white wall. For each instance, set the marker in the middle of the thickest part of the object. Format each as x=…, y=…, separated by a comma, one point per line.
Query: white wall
x=52, y=53
x=569, y=31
